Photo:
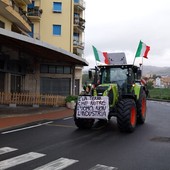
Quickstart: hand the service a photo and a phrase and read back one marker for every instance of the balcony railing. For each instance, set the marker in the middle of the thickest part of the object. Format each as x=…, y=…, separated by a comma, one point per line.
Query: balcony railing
x=78, y=44
x=36, y=12
x=80, y=4
x=79, y=22
x=20, y=11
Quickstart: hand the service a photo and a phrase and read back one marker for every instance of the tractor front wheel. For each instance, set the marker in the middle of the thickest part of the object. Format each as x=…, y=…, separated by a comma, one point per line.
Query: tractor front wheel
x=127, y=115
x=82, y=123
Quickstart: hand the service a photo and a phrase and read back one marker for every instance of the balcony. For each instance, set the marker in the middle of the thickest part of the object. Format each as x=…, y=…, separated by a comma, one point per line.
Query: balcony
x=78, y=44
x=34, y=13
x=79, y=23
x=79, y=5
x=23, y=2
x=10, y=10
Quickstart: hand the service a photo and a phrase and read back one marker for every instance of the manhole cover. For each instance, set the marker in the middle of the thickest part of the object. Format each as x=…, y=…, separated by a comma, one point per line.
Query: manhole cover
x=161, y=139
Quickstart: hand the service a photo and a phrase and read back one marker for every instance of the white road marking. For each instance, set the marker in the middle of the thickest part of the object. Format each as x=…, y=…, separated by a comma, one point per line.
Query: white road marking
x=103, y=167
x=8, y=163
x=58, y=164
x=67, y=118
x=7, y=150
x=29, y=127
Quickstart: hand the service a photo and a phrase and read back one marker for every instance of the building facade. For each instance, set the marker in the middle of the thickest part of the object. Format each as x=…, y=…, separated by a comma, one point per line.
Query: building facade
x=47, y=57
x=60, y=23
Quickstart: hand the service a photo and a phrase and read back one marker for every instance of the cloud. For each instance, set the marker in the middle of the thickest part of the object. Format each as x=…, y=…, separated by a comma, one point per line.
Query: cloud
x=118, y=26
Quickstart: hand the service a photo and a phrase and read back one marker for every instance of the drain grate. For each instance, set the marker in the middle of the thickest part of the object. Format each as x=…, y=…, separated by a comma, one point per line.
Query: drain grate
x=161, y=139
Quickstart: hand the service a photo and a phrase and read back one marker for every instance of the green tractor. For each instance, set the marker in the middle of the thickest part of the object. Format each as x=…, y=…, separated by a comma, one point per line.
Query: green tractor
x=116, y=91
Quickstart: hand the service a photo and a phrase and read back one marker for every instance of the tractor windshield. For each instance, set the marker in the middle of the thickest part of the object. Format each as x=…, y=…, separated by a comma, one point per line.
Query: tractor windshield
x=114, y=75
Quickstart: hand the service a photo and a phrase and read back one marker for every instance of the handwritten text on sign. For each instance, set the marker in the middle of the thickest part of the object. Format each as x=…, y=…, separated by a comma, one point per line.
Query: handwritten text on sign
x=93, y=107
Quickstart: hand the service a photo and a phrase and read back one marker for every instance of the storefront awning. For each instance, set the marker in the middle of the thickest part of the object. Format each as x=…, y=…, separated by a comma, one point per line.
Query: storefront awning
x=39, y=48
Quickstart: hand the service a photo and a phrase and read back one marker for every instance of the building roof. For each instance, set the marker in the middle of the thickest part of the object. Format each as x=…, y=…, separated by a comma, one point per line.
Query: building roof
x=39, y=48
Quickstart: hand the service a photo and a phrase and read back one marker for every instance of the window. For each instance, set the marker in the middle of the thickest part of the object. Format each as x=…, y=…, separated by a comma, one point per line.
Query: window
x=67, y=70
x=76, y=1
x=2, y=24
x=55, y=69
x=32, y=31
x=56, y=29
x=51, y=69
x=76, y=38
x=59, y=69
x=31, y=6
x=57, y=7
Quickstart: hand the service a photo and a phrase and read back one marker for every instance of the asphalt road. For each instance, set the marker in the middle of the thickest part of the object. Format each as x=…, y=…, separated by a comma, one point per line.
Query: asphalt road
x=59, y=144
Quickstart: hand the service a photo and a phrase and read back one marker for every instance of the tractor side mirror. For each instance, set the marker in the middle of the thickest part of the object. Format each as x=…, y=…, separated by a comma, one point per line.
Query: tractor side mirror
x=90, y=74
x=139, y=74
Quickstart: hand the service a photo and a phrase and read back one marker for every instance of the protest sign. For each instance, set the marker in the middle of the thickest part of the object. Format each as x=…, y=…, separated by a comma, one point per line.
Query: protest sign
x=92, y=107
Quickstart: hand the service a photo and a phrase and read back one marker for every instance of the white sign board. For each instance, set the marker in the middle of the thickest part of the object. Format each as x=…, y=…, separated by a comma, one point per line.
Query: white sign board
x=96, y=107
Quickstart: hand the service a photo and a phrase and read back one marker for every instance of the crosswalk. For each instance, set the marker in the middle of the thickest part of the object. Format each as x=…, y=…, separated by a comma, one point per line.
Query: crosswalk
x=58, y=164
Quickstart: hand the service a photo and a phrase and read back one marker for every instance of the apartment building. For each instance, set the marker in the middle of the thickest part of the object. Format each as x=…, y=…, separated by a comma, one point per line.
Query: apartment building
x=60, y=23
x=41, y=46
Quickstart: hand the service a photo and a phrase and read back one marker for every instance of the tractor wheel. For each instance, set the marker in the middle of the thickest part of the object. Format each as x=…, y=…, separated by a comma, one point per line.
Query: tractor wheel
x=141, y=107
x=127, y=115
x=83, y=123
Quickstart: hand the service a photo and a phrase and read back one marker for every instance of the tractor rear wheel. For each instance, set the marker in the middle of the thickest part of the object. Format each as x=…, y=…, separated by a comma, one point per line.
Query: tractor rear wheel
x=83, y=123
x=141, y=107
x=127, y=115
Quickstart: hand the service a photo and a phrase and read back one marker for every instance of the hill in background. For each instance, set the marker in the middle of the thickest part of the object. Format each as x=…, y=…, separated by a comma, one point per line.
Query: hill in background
x=161, y=71
x=153, y=70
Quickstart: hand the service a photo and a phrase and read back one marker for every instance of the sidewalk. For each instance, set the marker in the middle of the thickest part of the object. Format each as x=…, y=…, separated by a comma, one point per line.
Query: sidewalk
x=13, y=117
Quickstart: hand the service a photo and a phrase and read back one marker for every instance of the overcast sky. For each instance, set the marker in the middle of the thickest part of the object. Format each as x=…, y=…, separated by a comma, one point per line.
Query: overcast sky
x=119, y=25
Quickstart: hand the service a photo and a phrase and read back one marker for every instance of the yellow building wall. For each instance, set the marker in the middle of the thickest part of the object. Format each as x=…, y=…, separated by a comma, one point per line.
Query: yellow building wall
x=65, y=19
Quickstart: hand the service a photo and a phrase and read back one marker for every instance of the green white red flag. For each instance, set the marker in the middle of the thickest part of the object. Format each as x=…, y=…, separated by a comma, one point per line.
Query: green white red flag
x=142, y=50
x=101, y=57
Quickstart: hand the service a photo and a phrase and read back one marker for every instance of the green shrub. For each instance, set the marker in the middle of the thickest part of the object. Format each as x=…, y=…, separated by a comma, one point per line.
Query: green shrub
x=71, y=98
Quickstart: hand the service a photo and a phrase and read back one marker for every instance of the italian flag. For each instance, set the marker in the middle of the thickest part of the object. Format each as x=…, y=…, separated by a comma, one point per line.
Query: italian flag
x=100, y=56
x=142, y=50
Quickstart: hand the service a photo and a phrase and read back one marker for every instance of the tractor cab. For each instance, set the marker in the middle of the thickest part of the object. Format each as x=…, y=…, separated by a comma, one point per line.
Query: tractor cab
x=124, y=76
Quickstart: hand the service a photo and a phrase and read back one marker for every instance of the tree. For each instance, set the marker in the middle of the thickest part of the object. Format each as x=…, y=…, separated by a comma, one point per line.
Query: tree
x=154, y=76
x=150, y=85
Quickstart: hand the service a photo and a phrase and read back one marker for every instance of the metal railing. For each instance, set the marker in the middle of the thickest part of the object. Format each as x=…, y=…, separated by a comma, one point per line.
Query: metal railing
x=80, y=22
x=34, y=12
x=80, y=3
x=20, y=11
x=78, y=43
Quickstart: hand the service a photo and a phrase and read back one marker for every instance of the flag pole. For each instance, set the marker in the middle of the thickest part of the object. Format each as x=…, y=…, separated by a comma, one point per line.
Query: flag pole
x=142, y=65
x=94, y=55
x=138, y=51
x=134, y=60
x=95, y=61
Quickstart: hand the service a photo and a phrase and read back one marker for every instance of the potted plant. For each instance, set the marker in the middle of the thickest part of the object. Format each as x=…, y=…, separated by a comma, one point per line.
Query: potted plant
x=71, y=101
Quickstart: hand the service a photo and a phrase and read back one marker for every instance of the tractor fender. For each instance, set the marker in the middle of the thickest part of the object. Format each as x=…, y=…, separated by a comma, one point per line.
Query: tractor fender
x=137, y=89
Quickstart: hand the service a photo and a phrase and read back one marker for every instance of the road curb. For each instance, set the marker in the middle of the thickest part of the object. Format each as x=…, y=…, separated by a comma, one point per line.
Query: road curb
x=7, y=123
